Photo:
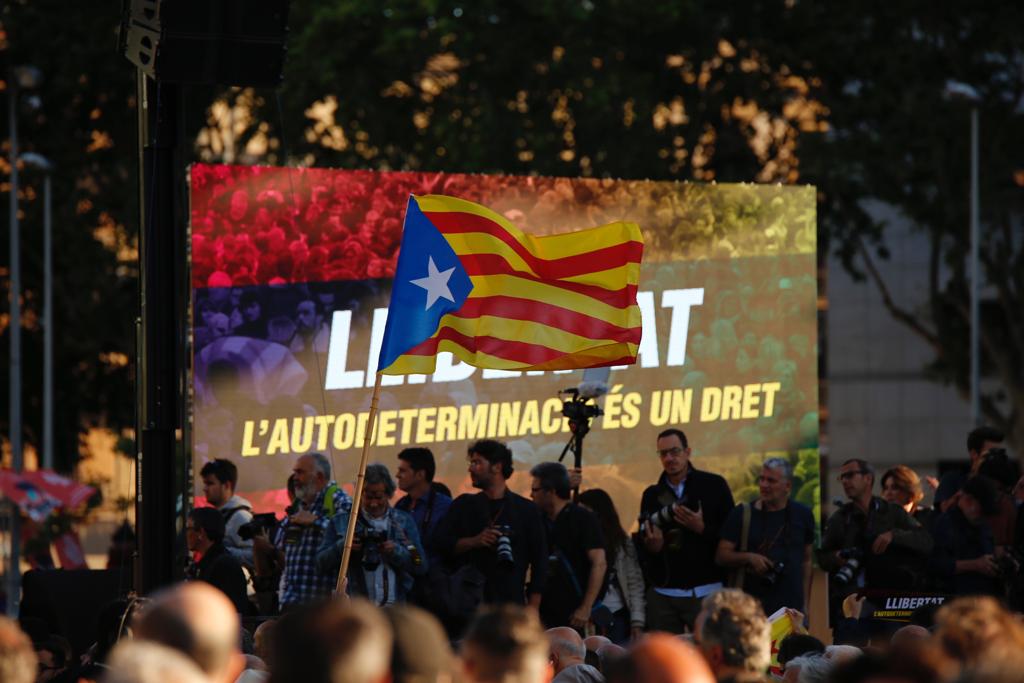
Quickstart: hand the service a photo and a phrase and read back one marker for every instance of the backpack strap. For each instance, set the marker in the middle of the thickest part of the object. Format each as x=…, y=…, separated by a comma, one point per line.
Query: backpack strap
x=230, y=512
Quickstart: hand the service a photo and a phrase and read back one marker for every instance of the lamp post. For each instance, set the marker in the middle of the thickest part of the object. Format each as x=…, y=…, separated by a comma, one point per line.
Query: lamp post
x=41, y=163
x=956, y=90
x=19, y=78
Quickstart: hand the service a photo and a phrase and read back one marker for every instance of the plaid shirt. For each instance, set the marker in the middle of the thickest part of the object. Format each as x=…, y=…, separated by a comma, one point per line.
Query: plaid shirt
x=302, y=582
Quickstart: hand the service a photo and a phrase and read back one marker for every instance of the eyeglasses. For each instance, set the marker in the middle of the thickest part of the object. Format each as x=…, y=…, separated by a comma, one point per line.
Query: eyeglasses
x=849, y=475
x=675, y=450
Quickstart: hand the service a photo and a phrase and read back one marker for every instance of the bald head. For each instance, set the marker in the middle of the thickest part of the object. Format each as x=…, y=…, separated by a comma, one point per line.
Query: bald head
x=909, y=635
x=595, y=643
x=567, y=647
x=661, y=658
x=198, y=620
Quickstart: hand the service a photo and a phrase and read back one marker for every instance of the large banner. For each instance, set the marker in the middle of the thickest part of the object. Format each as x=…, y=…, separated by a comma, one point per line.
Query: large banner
x=291, y=277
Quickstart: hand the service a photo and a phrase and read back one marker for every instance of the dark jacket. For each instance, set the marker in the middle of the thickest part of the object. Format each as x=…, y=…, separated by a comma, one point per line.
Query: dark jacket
x=469, y=515
x=687, y=558
x=849, y=527
x=221, y=570
x=956, y=538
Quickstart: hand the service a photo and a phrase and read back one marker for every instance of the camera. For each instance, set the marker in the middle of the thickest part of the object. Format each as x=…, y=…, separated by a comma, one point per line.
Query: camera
x=772, y=575
x=370, y=541
x=852, y=558
x=259, y=524
x=504, y=545
x=663, y=517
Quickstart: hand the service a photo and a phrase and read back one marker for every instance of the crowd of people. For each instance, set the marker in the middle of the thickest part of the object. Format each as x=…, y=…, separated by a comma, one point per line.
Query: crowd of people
x=686, y=597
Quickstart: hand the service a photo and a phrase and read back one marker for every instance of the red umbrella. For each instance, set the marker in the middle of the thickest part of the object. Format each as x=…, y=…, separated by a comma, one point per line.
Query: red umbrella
x=41, y=492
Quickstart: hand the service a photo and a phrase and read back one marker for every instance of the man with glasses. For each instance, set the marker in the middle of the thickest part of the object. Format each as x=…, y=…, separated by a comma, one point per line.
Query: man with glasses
x=768, y=542
x=868, y=541
x=680, y=518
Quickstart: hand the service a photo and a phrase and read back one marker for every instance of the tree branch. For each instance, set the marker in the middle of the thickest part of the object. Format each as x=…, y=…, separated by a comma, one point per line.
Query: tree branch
x=901, y=314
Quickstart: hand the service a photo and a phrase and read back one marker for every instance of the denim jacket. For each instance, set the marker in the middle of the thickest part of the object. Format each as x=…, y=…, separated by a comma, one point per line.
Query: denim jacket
x=401, y=530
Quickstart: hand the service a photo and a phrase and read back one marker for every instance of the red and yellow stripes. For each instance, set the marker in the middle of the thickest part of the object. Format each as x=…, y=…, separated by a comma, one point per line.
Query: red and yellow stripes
x=538, y=303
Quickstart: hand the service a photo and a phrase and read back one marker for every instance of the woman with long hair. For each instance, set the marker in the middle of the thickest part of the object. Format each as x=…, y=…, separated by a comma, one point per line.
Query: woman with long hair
x=625, y=594
x=902, y=486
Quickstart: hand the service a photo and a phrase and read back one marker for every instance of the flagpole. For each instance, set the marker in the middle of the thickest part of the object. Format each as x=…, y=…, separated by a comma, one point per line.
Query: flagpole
x=357, y=494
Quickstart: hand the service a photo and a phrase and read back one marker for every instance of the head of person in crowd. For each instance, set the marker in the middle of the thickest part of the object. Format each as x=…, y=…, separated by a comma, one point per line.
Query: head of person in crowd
x=263, y=641
x=505, y=644
x=809, y=668
x=415, y=473
x=567, y=648
x=550, y=488
x=662, y=658
x=139, y=661
x=378, y=487
x=332, y=642
x=600, y=503
x=734, y=634
x=199, y=621
x=978, y=498
x=858, y=479
x=674, y=453
x=18, y=662
x=997, y=466
x=220, y=326
x=980, y=441
x=420, y=652
x=902, y=486
x=307, y=315
x=312, y=473
x=490, y=465
x=54, y=653
x=220, y=477
x=250, y=306
x=971, y=629
x=204, y=529
x=775, y=484
x=907, y=636
x=797, y=644
x=841, y=654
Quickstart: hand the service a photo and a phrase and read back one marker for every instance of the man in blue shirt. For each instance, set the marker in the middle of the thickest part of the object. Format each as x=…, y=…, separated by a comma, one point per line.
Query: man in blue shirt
x=415, y=476
x=299, y=536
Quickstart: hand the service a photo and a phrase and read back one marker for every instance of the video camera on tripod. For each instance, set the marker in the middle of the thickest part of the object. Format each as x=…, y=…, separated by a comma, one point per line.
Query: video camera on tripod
x=580, y=410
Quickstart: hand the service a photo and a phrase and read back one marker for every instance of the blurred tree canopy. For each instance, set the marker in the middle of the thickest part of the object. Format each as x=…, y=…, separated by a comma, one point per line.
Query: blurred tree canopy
x=846, y=97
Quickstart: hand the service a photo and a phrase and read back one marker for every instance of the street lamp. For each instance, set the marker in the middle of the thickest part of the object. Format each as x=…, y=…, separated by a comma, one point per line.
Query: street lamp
x=956, y=90
x=41, y=163
x=19, y=78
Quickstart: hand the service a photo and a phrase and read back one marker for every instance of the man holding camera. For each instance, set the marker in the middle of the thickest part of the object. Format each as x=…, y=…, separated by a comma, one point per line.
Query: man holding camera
x=868, y=541
x=496, y=531
x=979, y=442
x=220, y=479
x=680, y=518
x=428, y=506
x=964, y=560
x=318, y=499
x=768, y=542
x=576, y=559
x=386, y=550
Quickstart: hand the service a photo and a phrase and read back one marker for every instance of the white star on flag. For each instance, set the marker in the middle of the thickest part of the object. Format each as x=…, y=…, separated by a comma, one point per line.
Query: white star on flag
x=436, y=283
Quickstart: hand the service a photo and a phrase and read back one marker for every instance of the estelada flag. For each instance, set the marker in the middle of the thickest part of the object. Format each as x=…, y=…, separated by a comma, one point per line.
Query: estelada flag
x=471, y=283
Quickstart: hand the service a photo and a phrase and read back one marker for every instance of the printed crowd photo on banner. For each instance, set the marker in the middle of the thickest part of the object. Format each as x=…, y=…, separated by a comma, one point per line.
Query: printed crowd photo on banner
x=292, y=273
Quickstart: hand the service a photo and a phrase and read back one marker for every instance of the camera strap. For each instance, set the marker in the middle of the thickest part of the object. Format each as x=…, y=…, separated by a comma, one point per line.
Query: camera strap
x=740, y=574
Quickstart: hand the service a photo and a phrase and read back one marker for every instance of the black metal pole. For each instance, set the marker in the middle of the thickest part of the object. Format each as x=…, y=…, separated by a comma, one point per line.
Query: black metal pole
x=161, y=363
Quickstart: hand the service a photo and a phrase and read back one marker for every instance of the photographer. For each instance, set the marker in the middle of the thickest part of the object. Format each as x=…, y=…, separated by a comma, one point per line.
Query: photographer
x=204, y=533
x=979, y=442
x=963, y=559
x=428, y=506
x=768, y=542
x=869, y=541
x=576, y=560
x=386, y=551
x=680, y=517
x=497, y=532
x=317, y=500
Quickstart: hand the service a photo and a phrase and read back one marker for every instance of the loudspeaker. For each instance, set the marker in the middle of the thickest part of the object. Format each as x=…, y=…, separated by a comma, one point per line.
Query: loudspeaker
x=226, y=42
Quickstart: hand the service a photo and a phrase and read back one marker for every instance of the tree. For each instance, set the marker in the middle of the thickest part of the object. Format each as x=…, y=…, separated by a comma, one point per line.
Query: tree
x=894, y=138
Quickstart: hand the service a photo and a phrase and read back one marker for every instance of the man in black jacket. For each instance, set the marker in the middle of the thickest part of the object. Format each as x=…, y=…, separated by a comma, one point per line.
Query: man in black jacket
x=680, y=519
x=204, y=533
x=496, y=531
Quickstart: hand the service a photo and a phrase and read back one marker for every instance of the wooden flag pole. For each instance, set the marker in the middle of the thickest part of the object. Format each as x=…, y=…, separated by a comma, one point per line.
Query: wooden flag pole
x=357, y=494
